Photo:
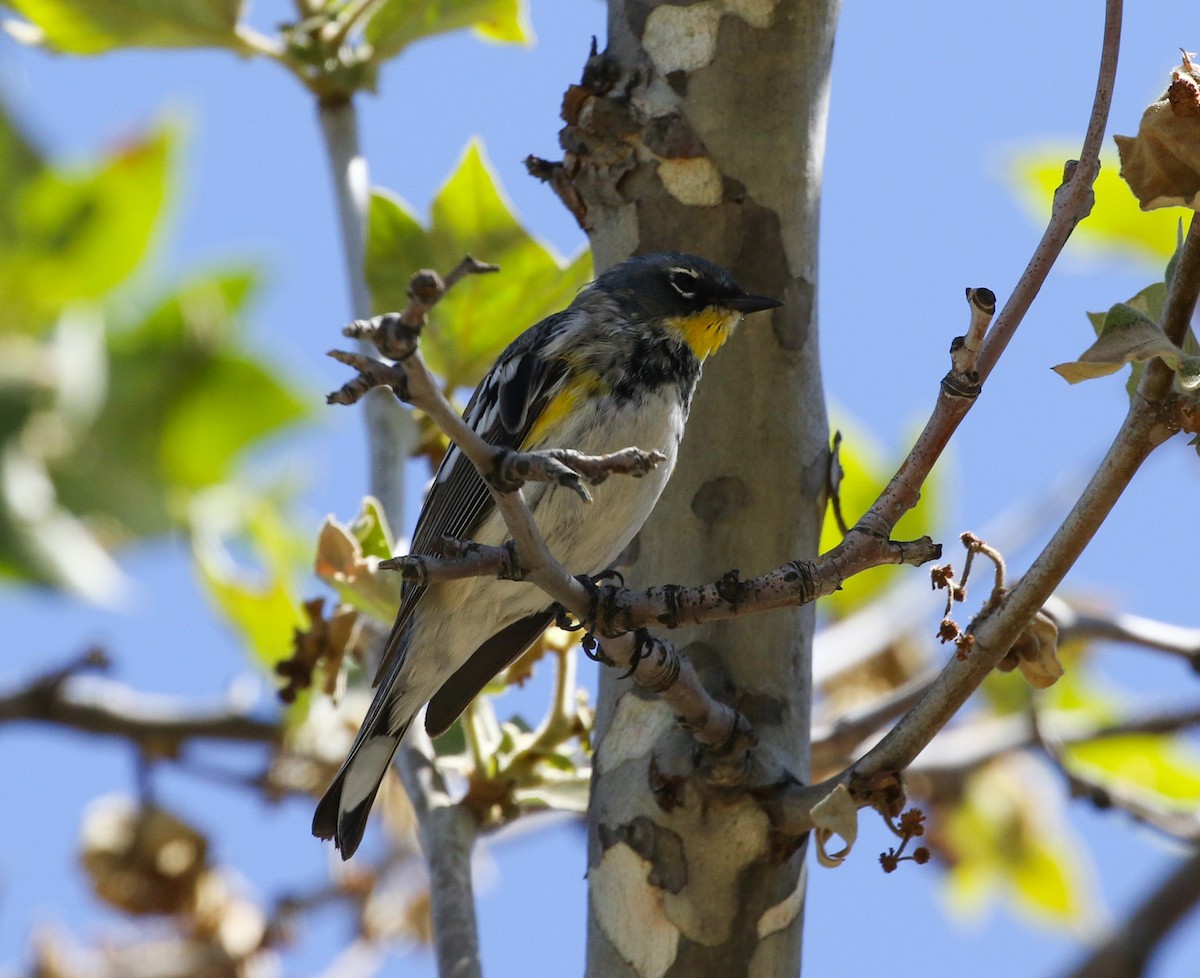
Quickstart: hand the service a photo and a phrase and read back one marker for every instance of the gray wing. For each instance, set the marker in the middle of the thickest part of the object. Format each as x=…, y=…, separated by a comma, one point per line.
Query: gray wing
x=502, y=410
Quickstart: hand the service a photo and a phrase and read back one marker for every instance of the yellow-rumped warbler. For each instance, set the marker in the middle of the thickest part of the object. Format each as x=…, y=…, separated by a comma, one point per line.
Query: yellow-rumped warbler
x=616, y=368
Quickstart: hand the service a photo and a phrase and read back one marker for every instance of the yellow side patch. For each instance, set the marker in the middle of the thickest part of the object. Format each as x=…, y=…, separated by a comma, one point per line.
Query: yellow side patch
x=705, y=331
x=574, y=392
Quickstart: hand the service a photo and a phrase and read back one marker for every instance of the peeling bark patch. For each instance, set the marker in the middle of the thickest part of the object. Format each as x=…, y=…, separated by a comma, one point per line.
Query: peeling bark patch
x=670, y=135
x=636, y=726
x=666, y=788
x=682, y=38
x=761, y=708
x=632, y=917
x=792, y=323
x=720, y=499
x=660, y=847
x=783, y=913
x=736, y=234
x=756, y=13
x=695, y=182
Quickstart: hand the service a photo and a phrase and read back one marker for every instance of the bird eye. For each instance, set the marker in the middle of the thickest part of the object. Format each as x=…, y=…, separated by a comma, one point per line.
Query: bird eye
x=684, y=281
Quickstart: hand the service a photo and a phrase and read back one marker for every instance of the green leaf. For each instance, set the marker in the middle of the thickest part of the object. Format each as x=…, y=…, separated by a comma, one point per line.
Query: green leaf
x=1043, y=882
x=1006, y=837
x=342, y=564
x=867, y=469
x=234, y=403
x=262, y=606
x=483, y=313
x=19, y=163
x=395, y=24
x=1162, y=767
x=371, y=530
x=75, y=236
x=1150, y=301
x=95, y=26
x=1116, y=224
x=184, y=402
x=1126, y=336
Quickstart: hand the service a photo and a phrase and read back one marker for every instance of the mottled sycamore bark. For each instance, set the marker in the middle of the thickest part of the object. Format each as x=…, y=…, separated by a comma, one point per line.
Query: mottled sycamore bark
x=701, y=129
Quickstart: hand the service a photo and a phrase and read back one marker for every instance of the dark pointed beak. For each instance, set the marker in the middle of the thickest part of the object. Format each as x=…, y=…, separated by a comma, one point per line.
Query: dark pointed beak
x=750, y=303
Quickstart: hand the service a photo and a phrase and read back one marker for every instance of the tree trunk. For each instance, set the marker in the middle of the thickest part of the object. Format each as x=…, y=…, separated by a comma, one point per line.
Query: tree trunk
x=702, y=129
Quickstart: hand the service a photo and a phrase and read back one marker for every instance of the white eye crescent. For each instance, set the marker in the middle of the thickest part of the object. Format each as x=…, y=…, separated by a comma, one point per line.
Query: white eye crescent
x=684, y=281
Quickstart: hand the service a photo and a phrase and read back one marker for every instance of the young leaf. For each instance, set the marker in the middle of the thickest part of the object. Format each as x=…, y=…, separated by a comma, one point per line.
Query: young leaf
x=482, y=314
x=1126, y=336
x=95, y=26
x=343, y=564
x=263, y=607
x=1006, y=837
x=395, y=24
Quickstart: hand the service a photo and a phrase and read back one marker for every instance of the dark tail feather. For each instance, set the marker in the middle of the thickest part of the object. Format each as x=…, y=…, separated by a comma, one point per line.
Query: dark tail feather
x=501, y=650
x=342, y=813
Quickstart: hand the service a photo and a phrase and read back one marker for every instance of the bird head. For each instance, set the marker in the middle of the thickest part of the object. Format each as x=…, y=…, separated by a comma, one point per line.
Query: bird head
x=693, y=298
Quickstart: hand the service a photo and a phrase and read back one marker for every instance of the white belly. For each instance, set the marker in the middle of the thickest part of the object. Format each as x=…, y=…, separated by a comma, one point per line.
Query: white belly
x=453, y=619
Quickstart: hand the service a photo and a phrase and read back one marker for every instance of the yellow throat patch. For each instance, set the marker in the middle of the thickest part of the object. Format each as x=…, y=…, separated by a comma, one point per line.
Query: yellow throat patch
x=705, y=331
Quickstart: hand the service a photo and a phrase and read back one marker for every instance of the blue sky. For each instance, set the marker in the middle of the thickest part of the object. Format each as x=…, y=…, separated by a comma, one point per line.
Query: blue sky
x=929, y=102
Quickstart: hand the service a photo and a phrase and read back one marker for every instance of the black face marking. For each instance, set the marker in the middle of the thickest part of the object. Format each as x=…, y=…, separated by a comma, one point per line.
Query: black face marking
x=685, y=281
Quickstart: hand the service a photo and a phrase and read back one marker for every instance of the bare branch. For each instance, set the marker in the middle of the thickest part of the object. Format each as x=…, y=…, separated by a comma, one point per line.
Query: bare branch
x=448, y=831
x=1077, y=623
x=158, y=725
x=1128, y=950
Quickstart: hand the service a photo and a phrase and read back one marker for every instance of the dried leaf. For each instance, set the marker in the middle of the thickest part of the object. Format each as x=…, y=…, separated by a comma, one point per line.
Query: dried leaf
x=1162, y=163
x=1036, y=653
x=141, y=860
x=835, y=814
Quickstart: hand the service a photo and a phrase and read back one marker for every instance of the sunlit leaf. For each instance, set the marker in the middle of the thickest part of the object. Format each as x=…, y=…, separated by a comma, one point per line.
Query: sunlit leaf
x=184, y=403
x=1158, y=765
x=261, y=604
x=19, y=163
x=234, y=403
x=867, y=470
x=481, y=314
x=95, y=26
x=75, y=235
x=342, y=564
x=1116, y=223
x=371, y=530
x=395, y=24
x=1006, y=838
x=1043, y=881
